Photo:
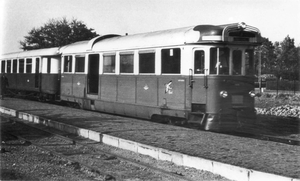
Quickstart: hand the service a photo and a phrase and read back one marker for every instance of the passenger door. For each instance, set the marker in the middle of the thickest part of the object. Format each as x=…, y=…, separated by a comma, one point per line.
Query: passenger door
x=199, y=88
x=93, y=74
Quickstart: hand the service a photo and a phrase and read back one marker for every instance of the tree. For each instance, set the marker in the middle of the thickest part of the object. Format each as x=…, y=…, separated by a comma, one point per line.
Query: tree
x=267, y=55
x=57, y=32
x=279, y=58
x=286, y=61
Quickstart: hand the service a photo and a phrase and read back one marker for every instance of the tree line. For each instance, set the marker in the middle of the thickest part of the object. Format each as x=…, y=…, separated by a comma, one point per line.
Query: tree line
x=280, y=58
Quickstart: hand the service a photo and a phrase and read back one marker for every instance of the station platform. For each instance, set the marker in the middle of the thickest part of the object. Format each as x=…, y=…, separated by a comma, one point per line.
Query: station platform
x=233, y=157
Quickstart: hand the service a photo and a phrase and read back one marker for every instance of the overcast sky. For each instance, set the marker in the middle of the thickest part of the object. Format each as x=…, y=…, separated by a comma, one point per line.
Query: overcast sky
x=275, y=18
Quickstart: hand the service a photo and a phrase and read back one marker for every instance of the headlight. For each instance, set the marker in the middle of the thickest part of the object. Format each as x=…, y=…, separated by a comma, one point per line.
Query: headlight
x=252, y=93
x=224, y=94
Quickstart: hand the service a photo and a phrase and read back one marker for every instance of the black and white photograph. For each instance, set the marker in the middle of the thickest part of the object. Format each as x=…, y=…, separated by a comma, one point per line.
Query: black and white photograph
x=150, y=90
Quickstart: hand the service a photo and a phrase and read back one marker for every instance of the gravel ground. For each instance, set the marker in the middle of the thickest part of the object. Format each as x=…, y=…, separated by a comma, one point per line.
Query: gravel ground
x=22, y=161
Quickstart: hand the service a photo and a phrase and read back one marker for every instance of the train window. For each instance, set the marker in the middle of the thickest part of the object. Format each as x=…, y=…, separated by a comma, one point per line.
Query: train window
x=249, y=62
x=28, y=65
x=213, y=61
x=199, y=62
x=219, y=61
x=237, y=62
x=37, y=71
x=224, y=61
x=3, y=66
x=48, y=65
x=21, y=65
x=68, y=64
x=15, y=64
x=79, y=63
x=170, y=61
x=37, y=65
x=8, y=70
x=147, y=62
x=109, y=63
x=126, y=63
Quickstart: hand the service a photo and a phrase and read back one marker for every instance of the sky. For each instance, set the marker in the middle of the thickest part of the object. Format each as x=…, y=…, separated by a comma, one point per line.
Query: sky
x=276, y=19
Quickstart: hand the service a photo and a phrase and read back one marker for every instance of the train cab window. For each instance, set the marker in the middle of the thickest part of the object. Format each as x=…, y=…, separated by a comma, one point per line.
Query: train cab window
x=29, y=65
x=224, y=61
x=79, y=63
x=147, y=62
x=109, y=63
x=236, y=62
x=126, y=63
x=213, y=61
x=170, y=61
x=3, y=66
x=199, y=62
x=67, y=63
x=21, y=65
x=15, y=66
x=219, y=61
x=8, y=70
x=249, y=62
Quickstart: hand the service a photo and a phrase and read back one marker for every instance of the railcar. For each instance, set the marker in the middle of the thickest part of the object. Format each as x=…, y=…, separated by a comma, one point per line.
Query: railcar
x=202, y=74
x=34, y=73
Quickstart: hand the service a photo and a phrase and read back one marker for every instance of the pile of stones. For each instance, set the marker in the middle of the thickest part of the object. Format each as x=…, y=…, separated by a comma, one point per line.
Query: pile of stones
x=284, y=110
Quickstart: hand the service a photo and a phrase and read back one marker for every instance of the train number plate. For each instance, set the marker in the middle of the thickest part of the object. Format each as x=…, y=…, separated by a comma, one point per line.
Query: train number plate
x=237, y=99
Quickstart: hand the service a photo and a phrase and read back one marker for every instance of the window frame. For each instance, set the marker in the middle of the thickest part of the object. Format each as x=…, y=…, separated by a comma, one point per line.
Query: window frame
x=143, y=52
x=15, y=66
x=70, y=62
x=115, y=63
x=28, y=69
x=81, y=57
x=124, y=54
x=165, y=64
x=3, y=66
x=204, y=61
x=9, y=66
x=242, y=67
x=21, y=66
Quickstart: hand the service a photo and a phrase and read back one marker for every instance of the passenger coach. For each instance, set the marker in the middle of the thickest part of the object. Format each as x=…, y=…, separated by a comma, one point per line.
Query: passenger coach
x=34, y=73
x=202, y=74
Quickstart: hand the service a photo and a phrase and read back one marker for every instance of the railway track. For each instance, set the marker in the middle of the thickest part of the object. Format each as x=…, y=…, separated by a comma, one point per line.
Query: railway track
x=85, y=153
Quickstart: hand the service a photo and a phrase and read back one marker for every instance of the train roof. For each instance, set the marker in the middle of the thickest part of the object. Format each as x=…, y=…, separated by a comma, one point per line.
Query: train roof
x=32, y=53
x=172, y=37
x=145, y=40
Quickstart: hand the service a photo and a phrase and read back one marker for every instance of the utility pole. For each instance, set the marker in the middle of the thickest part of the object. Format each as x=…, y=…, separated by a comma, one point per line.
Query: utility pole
x=259, y=70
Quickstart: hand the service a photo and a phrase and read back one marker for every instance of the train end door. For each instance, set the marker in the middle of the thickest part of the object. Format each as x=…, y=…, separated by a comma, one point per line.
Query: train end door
x=198, y=87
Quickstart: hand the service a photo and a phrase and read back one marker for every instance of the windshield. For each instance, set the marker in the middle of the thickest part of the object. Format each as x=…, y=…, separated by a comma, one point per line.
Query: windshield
x=225, y=61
